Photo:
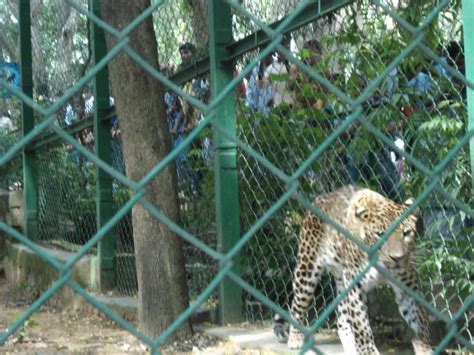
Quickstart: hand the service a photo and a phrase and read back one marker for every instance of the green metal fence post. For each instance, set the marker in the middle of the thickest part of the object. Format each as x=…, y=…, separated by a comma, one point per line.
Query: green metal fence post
x=468, y=27
x=106, y=248
x=226, y=174
x=30, y=196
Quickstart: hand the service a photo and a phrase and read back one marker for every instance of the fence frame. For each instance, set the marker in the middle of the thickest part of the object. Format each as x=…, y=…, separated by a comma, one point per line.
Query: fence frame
x=30, y=193
x=468, y=28
x=228, y=51
x=103, y=147
x=225, y=157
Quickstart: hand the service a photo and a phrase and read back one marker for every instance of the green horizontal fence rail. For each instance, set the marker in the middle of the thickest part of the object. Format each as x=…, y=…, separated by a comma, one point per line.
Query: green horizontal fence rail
x=241, y=164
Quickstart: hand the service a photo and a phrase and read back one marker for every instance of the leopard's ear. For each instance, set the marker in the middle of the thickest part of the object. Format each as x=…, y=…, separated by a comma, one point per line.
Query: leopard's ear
x=409, y=203
x=362, y=212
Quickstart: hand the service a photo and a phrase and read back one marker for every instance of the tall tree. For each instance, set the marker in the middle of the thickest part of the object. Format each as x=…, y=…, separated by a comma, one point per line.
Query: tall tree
x=67, y=27
x=40, y=76
x=162, y=287
x=9, y=33
x=199, y=24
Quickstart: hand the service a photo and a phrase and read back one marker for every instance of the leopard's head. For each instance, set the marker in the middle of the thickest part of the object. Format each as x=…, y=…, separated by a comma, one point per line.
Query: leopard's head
x=376, y=214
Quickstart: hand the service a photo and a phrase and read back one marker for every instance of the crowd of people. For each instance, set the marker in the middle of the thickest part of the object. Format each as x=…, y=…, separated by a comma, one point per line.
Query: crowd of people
x=274, y=83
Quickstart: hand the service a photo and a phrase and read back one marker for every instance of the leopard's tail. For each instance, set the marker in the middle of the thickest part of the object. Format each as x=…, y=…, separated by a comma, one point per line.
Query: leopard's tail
x=280, y=328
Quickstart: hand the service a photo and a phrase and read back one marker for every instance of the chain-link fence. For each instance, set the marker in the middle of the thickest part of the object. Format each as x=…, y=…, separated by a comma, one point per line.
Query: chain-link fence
x=10, y=125
x=419, y=106
x=371, y=93
x=10, y=174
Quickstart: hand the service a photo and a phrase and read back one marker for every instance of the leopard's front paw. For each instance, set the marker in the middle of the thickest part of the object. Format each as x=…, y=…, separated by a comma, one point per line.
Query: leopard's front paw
x=295, y=339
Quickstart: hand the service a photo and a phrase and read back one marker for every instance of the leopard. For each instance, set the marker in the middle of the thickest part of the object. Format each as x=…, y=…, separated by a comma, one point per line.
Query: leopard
x=367, y=215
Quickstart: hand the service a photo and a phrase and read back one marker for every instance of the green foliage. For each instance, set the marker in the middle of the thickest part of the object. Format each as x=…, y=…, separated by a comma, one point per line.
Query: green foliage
x=434, y=139
x=11, y=173
x=449, y=263
x=171, y=24
x=67, y=196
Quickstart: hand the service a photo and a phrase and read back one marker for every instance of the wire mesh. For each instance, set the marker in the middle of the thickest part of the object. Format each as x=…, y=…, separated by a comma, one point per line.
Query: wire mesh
x=10, y=174
x=66, y=181
x=66, y=197
x=419, y=106
x=285, y=114
x=10, y=128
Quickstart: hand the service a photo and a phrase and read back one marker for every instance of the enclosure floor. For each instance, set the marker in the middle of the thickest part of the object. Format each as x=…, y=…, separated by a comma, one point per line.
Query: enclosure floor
x=265, y=342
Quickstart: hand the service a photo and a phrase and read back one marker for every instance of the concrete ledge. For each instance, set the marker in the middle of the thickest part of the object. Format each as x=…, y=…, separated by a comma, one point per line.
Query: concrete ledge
x=327, y=342
x=23, y=264
x=24, y=268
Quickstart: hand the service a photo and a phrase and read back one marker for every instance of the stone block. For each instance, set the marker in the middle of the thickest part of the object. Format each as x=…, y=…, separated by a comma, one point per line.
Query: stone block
x=8, y=218
x=16, y=218
x=16, y=199
x=4, y=205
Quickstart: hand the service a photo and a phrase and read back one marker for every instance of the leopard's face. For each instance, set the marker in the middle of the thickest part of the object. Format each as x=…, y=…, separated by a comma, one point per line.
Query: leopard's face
x=375, y=215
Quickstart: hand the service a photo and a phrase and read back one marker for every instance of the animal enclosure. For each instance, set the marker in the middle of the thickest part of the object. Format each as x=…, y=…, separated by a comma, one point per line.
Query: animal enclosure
x=287, y=100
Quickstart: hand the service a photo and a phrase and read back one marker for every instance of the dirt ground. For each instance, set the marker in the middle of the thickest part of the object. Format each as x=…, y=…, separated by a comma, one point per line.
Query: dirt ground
x=52, y=331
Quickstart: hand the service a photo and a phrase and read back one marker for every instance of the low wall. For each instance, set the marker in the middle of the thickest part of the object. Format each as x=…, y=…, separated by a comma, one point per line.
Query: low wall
x=24, y=269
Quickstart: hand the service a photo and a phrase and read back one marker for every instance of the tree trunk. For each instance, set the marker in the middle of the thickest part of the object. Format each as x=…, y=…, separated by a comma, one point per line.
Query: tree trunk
x=162, y=287
x=199, y=25
x=68, y=25
x=40, y=77
x=9, y=45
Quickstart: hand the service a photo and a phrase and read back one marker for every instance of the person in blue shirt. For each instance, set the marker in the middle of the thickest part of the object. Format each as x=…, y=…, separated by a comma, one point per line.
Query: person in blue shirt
x=183, y=117
x=259, y=98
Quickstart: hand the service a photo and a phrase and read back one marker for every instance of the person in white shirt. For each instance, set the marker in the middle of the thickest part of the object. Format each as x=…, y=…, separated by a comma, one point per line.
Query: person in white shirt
x=6, y=124
x=280, y=86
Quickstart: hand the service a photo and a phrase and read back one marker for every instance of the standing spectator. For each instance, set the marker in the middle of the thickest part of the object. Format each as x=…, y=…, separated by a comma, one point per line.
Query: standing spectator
x=265, y=90
x=7, y=139
x=281, y=90
x=240, y=88
x=199, y=87
x=381, y=166
x=259, y=98
x=6, y=124
x=311, y=55
x=183, y=117
x=85, y=137
x=314, y=48
x=176, y=126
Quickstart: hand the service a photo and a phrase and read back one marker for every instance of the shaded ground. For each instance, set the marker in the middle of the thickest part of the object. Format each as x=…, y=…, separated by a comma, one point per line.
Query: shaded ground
x=50, y=331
